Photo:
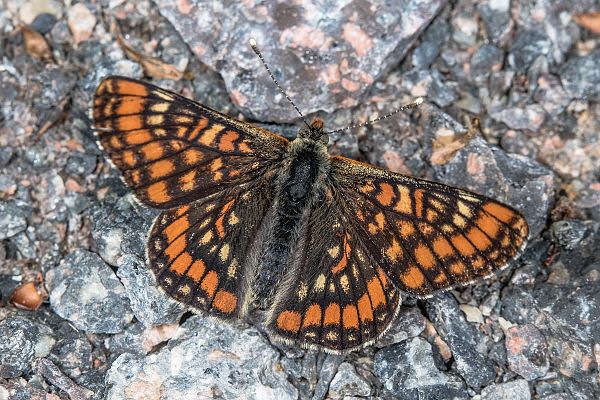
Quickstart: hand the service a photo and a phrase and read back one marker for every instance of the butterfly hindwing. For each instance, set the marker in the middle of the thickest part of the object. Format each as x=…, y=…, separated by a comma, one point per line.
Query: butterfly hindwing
x=198, y=251
x=336, y=296
x=428, y=237
x=172, y=150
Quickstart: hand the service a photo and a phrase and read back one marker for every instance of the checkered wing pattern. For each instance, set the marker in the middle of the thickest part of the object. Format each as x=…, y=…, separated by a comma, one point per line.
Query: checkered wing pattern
x=197, y=251
x=213, y=177
x=172, y=150
x=338, y=297
x=428, y=237
x=377, y=233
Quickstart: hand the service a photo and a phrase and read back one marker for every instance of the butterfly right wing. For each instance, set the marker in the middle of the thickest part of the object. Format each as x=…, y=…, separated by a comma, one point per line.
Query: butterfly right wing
x=335, y=296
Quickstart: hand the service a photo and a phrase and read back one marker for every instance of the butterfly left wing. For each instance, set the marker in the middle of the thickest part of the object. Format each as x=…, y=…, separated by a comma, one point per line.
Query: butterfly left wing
x=199, y=251
x=213, y=177
x=172, y=150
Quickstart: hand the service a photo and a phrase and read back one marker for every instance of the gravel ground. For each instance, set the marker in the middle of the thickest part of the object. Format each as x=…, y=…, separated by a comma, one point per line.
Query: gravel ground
x=80, y=316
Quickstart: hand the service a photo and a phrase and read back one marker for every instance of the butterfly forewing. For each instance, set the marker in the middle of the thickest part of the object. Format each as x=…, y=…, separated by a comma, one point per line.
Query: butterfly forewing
x=172, y=150
x=427, y=236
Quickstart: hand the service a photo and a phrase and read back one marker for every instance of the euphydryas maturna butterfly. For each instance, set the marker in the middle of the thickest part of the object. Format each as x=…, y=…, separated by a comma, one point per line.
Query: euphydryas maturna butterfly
x=321, y=246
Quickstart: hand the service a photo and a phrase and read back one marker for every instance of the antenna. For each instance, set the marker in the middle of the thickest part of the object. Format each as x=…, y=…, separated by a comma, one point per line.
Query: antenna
x=259, y=54
x=414, y=104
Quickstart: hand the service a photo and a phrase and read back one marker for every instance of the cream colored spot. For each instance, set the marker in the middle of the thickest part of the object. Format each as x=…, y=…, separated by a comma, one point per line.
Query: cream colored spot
x=159, y=107
x=320, y=283
x=224, y=252
x=447, y=228
x=332, y=287
x=155, y=119
x=360, y=255
x=213, y=249
x=183, y=120
x=464, y=209
x=437, y=205
x=232, y=269
x=459, y=221
x=303, y=291
x=354, y=271
x=210, y=207
x=334, y=251
x=184, y=289
x=207, y=237
x=233, y=219
x=162, y=95
x=345, y=284
x=331, y=335
x=205, y=222
x=467, y=197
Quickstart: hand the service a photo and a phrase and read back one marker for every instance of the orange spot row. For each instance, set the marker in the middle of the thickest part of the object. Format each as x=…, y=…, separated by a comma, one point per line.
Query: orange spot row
x=502, y=213
x=130, y=105
x=219, y=221
x=202, y=123
x=137, y=137
x=181, y=263
x=130, y=122
x=157, y=193
x=424, y=256
x=126, y=87
x=226, y=142
x=413, y=278
x=376, y=293
x=225, y=301
x=365, y=310
x=386, y=194
x=209, y=283
x=332, y=314
x=176, y=228
x=196, y=271
x=312, y=317
x=289, y=321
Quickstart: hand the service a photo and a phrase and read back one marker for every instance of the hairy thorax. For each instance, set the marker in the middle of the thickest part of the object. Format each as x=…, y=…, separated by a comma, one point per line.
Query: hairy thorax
x=299, y=186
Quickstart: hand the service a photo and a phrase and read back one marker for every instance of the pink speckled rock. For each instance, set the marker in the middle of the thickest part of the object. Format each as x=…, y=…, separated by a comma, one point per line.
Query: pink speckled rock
x=326, y=55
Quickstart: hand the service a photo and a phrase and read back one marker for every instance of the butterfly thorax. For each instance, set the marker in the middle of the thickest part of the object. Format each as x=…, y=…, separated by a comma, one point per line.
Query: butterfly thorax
x=298, y=188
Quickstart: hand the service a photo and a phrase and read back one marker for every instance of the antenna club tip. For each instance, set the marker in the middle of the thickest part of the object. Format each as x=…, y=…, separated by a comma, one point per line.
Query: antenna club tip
x=419, y=101
x=252, y=42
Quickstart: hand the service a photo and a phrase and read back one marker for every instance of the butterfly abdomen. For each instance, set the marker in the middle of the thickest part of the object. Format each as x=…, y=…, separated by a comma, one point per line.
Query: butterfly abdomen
x=296, y=191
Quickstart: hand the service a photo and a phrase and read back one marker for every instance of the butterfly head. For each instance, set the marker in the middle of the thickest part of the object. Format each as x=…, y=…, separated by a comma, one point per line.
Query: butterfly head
x=315, y=131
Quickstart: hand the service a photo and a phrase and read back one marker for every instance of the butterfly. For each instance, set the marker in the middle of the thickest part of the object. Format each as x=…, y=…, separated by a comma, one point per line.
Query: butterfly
x=320, y=246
